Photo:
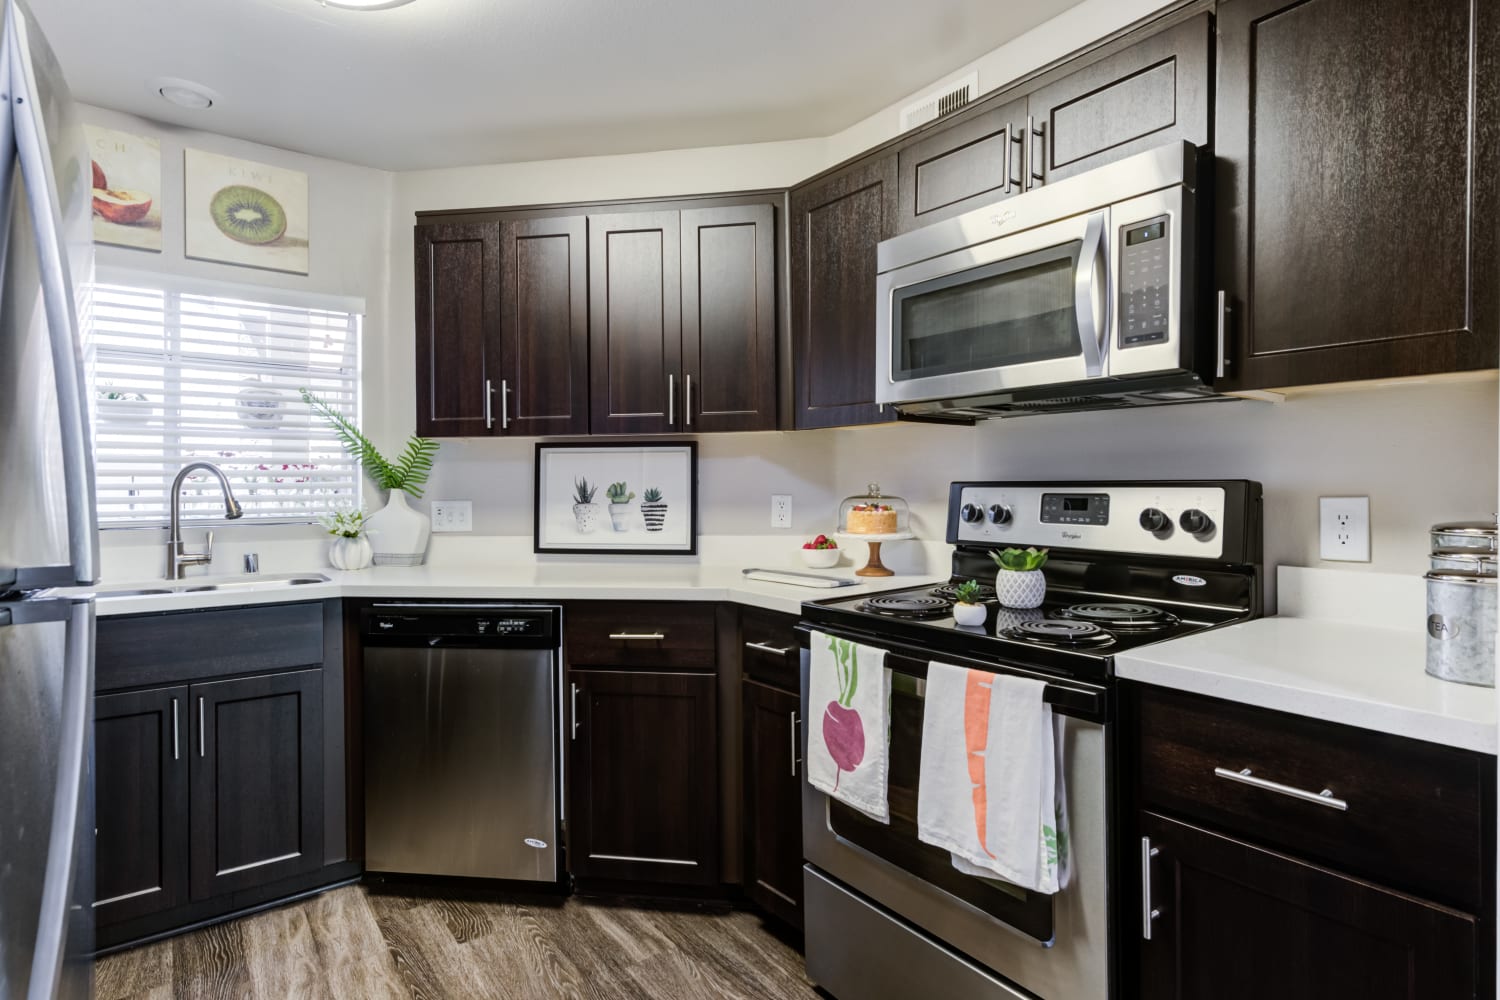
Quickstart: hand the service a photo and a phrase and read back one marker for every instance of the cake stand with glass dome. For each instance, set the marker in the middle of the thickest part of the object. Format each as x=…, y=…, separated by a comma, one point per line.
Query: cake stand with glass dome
x=874, y=518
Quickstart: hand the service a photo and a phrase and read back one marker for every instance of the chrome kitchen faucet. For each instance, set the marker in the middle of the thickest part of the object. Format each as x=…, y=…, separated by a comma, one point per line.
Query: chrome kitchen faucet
x=179, y=558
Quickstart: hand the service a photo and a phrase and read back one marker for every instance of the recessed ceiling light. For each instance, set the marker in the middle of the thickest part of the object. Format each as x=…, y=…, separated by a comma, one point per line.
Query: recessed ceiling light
x=183, y=93
x=364, y=4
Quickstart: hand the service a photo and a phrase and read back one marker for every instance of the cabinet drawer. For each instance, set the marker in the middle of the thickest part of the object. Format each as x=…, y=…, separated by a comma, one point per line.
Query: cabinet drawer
x=644, y=634
x=768, y=649
x=193, y=645
x=1414, y=815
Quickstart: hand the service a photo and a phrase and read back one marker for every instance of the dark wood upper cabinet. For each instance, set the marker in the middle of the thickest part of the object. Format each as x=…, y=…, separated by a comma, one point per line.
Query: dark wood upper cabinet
x=256, y=773
x=544, y=353
x=968, y=165
x=1156, y=91
x=1357, y=183
x=836, y=224
x=458, y=328
x=729, y=318
x=643, y=788
x=773, y=800
x=635, y=323
x=1237, y=922
x=141, y=748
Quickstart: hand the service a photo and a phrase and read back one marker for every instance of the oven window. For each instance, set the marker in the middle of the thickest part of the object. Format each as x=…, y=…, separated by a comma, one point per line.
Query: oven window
x=1028, y=912
x=1007, y=313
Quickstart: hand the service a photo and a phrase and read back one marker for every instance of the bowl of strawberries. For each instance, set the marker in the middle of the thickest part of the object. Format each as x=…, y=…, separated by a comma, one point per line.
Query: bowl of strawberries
x=820, y=553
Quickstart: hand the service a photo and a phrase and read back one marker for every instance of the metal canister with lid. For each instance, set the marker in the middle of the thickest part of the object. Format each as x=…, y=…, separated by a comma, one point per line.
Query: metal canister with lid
x=1477, y=560
x=1480, y=535
x=1461, y=607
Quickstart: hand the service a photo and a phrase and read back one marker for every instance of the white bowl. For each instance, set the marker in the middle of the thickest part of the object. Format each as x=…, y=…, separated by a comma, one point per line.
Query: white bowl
x=819, y=558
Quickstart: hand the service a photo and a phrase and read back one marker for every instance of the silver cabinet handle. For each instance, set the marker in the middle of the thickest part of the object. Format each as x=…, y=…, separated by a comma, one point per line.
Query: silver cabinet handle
x=489, y=413
x=1014, y=150
x=687, y=398
x=643, y=636
x=762, y=647
x=795, y=761
x=573, y=700
x=671, y=399
x=175, y=754
x=1245, y=777
x=202, y=751
x=1036, y=134
x=1222, y=361
x=1148, y=913
x=504, y=404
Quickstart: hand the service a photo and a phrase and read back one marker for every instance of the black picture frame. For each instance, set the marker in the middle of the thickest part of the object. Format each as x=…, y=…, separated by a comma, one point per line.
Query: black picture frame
x=607, y=536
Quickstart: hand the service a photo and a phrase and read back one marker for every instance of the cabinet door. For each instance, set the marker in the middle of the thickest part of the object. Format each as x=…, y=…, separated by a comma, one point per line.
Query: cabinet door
x=643, y=788
x=635, y=323
x=1157, y=91
x=544, y=353
x=141, y=747
x=836, y=225
x=969, y=164
x=729, y=318
x=1236, y=922
x=458, y=328
x=773, y=801
x=1357, y=188
x=257, y=779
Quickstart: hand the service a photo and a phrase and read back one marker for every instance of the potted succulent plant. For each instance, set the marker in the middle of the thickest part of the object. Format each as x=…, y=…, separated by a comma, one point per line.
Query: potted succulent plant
x=619, y=506
x=585, y=511
x=1020, y=582
x=820, y=553
x=350, y=548
x=653, y=509
x=967, y=609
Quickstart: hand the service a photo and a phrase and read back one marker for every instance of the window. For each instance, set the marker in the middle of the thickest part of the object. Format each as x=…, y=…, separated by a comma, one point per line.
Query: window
x=190, y=372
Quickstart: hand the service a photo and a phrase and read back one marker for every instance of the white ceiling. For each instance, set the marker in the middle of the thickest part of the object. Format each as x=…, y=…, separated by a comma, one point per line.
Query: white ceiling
x=452, y=82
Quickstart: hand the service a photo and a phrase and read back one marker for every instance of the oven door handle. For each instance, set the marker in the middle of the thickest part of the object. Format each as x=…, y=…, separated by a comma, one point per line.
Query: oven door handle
x=1090, y=296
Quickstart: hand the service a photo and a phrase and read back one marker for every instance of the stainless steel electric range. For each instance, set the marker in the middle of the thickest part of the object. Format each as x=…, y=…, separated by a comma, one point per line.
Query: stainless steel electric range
x=1131, y=563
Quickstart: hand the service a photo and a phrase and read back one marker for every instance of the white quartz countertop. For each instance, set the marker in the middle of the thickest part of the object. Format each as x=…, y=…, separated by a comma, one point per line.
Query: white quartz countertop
x=1355, y=674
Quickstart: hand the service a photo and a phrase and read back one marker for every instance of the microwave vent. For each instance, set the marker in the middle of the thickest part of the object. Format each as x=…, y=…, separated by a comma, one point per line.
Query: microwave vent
x=931, y=107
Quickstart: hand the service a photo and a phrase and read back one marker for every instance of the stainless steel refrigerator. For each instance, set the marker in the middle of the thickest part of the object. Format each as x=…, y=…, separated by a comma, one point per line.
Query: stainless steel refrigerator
x=47, y=525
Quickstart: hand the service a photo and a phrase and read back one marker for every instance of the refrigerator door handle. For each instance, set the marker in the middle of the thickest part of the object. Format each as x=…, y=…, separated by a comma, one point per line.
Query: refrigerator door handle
x=57, y=295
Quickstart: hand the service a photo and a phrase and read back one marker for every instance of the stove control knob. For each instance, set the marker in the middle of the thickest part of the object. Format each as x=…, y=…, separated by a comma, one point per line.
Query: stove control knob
x=971, y=513
x=999, y=513
x=1155, y=521
x=1195, y=522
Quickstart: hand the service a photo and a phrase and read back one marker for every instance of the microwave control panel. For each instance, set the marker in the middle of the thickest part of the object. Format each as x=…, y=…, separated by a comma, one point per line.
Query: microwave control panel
x=1145, y=282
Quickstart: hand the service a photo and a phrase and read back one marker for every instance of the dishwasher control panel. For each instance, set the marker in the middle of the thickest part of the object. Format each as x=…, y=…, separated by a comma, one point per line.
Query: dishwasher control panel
x=457, y=623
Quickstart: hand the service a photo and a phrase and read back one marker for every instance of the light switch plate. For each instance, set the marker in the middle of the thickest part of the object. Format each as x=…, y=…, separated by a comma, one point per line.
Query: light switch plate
x=452, y=515
x=1344, y=529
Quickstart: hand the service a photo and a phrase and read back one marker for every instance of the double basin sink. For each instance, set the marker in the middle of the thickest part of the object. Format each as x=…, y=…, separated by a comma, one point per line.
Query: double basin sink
x=207, y=585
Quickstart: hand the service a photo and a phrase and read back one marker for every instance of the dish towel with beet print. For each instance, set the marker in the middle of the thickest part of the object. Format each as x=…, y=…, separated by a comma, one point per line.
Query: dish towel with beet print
x=991, y=782
x=848, y=738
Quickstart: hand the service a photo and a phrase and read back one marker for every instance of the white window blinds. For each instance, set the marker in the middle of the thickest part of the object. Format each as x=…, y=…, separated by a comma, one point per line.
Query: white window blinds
x=190, y=373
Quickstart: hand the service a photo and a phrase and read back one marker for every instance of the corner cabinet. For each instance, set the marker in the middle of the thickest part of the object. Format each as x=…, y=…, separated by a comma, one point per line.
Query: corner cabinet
x=1358, y=146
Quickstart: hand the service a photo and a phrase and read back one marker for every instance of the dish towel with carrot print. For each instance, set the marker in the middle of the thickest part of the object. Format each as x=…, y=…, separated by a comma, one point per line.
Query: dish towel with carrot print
x=991, y=789
x=849, y=704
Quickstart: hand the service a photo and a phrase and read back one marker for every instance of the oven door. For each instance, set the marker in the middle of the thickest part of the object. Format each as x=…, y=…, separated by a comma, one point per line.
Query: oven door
x=1019, y=311
x=1057, y=946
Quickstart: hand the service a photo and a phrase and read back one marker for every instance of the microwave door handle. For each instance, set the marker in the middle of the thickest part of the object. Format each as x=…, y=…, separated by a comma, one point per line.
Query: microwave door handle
x=1093, y=315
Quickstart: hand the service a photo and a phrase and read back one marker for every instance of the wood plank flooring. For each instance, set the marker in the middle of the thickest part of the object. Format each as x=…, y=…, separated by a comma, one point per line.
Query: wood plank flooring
x=355, y=943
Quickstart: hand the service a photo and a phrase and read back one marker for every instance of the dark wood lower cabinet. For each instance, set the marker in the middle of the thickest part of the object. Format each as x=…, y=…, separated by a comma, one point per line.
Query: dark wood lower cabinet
x=1237, y=922
x=643, y=786
x=773, y=801
x=140, y=802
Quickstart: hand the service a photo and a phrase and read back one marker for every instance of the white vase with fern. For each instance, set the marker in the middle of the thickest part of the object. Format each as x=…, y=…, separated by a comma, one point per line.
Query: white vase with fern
x=398, y=533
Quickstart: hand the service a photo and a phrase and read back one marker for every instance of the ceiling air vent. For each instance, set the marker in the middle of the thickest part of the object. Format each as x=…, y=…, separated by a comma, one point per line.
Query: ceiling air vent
x=940, y=102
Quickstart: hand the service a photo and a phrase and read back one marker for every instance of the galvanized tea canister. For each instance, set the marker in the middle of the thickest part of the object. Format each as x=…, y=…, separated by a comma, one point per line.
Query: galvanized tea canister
x=1465, y=535
x=1461, y=626
x=1471, y=559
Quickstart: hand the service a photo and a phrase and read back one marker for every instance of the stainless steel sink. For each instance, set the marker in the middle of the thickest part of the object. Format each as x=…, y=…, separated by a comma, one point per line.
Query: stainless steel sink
x=291, y=581
x=205, y=586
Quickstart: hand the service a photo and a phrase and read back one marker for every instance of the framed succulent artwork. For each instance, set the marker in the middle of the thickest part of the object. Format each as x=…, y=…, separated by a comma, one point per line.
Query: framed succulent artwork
x=246, y=213
x=127, y=188
x=617, y=498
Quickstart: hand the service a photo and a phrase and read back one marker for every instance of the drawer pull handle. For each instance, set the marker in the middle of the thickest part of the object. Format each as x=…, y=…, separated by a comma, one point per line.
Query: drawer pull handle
x=1245, y=777
x=639, y=636
x=761, y=647
x=1149, y=913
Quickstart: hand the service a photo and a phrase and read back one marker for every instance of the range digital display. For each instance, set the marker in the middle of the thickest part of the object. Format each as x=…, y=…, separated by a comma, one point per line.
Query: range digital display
x=1075, y=508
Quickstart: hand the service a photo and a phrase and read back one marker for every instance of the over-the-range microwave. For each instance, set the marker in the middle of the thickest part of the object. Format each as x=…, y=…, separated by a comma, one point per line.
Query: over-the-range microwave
x=1077, y=295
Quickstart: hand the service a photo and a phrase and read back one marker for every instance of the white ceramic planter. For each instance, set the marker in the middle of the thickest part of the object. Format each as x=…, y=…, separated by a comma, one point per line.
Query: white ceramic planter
x=1021, y=590
x=350, y=553
x=398, y=534
x=969, y=614
x=586, y=517
x=655, y=514
x=619, y=516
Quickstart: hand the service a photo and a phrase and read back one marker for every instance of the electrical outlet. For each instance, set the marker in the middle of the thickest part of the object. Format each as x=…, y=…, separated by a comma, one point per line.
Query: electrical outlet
x=1344, y=528
x=781, y=510
x=452, y=515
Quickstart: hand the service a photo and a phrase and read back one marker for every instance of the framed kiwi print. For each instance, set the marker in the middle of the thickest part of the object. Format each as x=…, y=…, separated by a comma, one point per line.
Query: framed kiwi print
x=617, y=498
x=127, y=188
x=246, y=213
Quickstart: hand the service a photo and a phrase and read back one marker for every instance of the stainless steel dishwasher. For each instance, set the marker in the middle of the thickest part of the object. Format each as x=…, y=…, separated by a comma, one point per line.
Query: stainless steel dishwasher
x=460, y=739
